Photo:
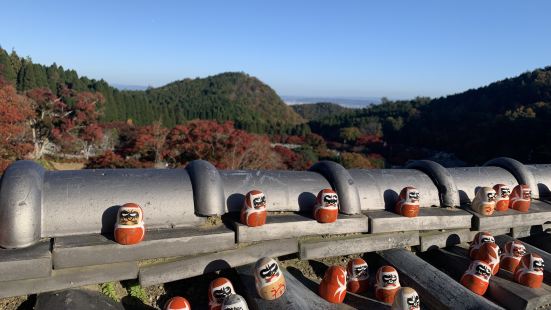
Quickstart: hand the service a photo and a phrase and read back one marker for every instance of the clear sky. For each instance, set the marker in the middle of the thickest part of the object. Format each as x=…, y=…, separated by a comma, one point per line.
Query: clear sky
x=397, y=49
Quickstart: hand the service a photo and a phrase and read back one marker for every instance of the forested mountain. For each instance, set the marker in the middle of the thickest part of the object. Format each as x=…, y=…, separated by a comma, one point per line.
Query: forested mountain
x=315, y=111
x=251, y=104
x=511, y=117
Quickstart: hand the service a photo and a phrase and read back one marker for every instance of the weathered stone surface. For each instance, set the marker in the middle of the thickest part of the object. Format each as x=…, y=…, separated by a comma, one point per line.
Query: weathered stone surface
x=436, y=289
x=429, y=218
x=96, y=249
x=441, y=239
x=26, y=263
x=320, y=247
x=539, y=213
x=297, y=225
x=75, y=299
x=70, y=277
x=196, y=265
x=297, y=296
x=502, y=288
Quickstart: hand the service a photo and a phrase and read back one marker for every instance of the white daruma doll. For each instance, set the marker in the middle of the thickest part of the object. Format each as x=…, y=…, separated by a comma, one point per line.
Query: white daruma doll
x=177, y=303
x=358, y=276
x=129, y=228
x=408, y=202
x=326, y=209
x=502, y=197
x=333, y=285
x=529, y=271
x=484, y=201
x=234, y=302
x=387, y=284
x=219, y=289
x=477, y=277
x=479, y=239
x=512, y=254
x=520, y=198
x=253, y=212
x=406, y=299
x=269, y=279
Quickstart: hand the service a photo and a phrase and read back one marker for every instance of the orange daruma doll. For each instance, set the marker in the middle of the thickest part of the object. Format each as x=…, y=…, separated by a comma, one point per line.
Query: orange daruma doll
x=326, y=209
x=253, y=212
x=408, y=202
x=129, y=228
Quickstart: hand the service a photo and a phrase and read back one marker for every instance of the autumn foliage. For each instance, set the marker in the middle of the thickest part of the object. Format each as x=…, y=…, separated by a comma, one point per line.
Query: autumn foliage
x=221, y=144
x=15, y=116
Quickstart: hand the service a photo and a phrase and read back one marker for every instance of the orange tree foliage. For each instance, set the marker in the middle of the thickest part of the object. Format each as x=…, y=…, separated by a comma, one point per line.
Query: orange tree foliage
x=15, y=116
x=150, y=142
x=221, y=144
x=76, y=127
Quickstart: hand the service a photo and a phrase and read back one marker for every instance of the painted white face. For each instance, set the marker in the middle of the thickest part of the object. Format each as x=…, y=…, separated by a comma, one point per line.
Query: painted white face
x=518, y=250
x=359, y=271
x=537, y=265
x=410, y=299
x=504, y=192
x=220, y=292
x=329, y=201
x=480, y=270
x=485, y=238
x=412, y=196
x=129, y=216
x=489, y=195
x=258, y=201
x=389, y=279
x=526, y=193
x=268, y=273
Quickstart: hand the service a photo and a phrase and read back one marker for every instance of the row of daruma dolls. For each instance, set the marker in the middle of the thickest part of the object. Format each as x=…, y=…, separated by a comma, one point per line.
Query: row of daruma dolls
x=487, y=260
x=270, y=285
x=501, y=198
x=130, y=229
x=355, y=279
x=269, y=282
x=326, y=208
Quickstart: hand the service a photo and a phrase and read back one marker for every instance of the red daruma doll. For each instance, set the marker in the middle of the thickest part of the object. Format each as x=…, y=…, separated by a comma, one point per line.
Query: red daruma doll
x=358, y=276
x=326, y=209
x=333, y=285
x=512, y=253
x=129, y=228
x=408, y=202
x=529, y=271
x=502, y=197
x=219, y=289
x=477, y=277
x=479, y=239
x=177, y=303
x=253, y=212
x=387, y=284
x=520, y=198
x=489, y=253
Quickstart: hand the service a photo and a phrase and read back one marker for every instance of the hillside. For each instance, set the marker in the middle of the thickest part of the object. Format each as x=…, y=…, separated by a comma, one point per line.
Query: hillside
x=251, y=104
x=315, y=111
x=510, y=117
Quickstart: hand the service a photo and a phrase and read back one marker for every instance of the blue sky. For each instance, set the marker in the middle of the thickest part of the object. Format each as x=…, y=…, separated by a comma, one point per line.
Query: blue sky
x=397, y=49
